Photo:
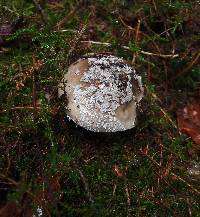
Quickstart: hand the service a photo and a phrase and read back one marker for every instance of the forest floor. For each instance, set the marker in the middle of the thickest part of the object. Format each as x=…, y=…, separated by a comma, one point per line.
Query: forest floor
x=51, y=167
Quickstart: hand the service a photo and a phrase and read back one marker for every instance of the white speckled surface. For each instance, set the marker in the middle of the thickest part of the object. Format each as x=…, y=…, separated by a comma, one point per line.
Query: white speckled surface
x=101, y=93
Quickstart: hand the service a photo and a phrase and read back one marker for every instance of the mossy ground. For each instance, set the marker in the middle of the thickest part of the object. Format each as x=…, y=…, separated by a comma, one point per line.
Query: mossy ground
x=47, y=162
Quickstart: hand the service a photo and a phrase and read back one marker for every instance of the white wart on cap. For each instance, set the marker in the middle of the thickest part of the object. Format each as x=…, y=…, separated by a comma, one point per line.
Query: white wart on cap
x=102, y=93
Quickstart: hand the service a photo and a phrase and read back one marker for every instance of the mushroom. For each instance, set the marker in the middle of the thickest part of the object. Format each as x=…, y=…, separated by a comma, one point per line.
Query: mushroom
x=102, y=93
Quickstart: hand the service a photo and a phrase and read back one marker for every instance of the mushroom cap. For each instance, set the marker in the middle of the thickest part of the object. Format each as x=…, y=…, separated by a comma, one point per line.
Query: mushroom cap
x=102, y=93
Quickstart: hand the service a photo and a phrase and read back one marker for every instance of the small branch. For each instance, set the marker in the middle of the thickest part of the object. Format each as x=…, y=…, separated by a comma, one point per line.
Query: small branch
x=190, y=65
x=128, y=201
x=165, y=56
x=20, y=108
x=173, y=174
x=149, y=38
x=114, y=189
x=11, y=181
x=89, y=195
x=136, y=40
x=164, y=112
x=41, y=10
x=65, y=30
x=185, y=182
x=9, y=163
x=66, y=19
x=76, y=40
x=154, y=4
x=10, y=10
x=21, y=77
x=34, y=98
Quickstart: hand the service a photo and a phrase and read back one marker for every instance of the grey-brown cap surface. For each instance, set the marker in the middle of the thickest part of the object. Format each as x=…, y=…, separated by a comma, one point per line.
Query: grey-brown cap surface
x=102, y=93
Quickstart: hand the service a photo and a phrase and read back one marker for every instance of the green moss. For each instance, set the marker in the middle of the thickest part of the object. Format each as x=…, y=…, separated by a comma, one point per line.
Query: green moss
x=96, y=170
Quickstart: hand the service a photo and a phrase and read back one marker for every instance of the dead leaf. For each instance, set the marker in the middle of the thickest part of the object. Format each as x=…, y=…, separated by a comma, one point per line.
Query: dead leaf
x=117, y=171
x=188, y=120
x=19, y=84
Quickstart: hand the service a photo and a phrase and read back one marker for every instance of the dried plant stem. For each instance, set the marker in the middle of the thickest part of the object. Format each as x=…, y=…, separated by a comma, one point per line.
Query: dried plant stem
x=136, y=40
x=10, y=10
x=76, y=40
x=9, y=164
x=190, y=65
x=172, y=56
x=41, y=10
x=20, y=108
x=86, y=186
x=154, y=4
x=166, y=56
x=164, y=112
x=34, y=97
x=173, y=174
x=128, y=200
x=11, y=181
x=147, y=36
x=66, y=19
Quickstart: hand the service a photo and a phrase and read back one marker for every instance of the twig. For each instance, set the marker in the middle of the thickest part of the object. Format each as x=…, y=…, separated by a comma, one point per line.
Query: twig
x=20, y=108
x=34, y=86
x=11, y=181
x=21, y=77
x=66, y=19
x=190, y=65
x=185, y=182
x=145, y=35
x=165, y=56
x=76, y=40
x=128, y=201
x=189, y=208
x=164, y=112
x=41, y=10
x=89, y=195
x=114, y=189
x=154, y=4
x=136, y=40
x=9, y=164
x=65, y=30
x=10, y=10
x=173, y=174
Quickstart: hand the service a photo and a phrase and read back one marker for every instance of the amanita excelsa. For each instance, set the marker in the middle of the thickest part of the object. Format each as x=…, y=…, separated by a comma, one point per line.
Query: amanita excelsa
x=102, y=93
